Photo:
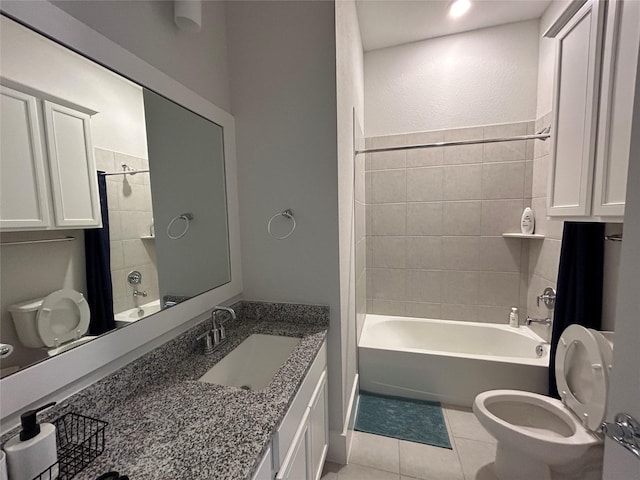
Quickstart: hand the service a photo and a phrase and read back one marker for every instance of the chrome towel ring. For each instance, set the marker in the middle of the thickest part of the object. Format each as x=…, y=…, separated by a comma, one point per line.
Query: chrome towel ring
x=287, y=214
x=183, y=216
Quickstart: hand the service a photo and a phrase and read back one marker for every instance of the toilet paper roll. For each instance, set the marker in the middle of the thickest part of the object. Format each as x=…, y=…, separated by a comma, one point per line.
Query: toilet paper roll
x=5, y=351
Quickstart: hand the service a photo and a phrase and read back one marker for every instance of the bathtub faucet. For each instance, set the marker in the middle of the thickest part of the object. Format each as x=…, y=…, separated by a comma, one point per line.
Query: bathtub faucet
x=541, y=321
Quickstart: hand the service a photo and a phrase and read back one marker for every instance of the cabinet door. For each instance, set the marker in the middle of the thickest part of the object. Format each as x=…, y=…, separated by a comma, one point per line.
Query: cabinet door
x=264, y=471
x=73, y=171
x=318, y=429
x=578, y=50
x=618, y=85
x=23, y=180
x=296, y=465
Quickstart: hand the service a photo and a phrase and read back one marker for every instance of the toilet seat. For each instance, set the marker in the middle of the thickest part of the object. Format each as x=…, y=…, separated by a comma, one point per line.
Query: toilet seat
x=63, y=316
x=582, y=375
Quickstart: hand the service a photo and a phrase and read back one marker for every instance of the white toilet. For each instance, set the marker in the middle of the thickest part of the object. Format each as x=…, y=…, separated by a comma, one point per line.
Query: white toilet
x=541, y=438
x=56, y=322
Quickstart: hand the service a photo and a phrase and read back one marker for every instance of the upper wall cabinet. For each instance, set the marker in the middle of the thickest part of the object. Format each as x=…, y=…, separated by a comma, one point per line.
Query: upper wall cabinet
x=48, y=176
x=596, y=59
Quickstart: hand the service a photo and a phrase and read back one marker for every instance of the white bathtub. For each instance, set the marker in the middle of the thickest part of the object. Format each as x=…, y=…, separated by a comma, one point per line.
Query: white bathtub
x=446, y=361
x=134, y=314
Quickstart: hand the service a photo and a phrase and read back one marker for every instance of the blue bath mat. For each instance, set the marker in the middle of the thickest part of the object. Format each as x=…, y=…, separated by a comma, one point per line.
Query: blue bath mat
x=403, y=418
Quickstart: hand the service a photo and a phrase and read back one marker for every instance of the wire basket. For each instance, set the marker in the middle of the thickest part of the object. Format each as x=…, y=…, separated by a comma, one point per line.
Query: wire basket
x=80, y=440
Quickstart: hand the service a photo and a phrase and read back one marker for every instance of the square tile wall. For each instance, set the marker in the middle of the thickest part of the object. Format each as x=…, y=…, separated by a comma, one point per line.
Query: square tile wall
x=130, y=217
x=544, y=256
x=434, y=224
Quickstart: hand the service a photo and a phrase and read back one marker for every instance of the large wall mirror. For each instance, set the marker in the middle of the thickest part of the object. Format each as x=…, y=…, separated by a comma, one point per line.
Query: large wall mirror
x=158, y=180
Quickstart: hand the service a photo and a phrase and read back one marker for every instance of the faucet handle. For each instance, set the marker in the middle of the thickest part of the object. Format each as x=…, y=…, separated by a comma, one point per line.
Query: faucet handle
x=207, y=342
x=223, y=333
x=216, y=336
x=548, y=297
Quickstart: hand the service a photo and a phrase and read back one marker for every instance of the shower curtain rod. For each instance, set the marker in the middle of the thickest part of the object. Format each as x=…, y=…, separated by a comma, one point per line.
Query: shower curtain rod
x=128, y=172
x=543, y=135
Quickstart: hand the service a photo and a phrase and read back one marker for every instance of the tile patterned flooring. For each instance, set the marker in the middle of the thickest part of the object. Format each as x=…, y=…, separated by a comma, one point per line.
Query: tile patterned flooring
x=380, y=458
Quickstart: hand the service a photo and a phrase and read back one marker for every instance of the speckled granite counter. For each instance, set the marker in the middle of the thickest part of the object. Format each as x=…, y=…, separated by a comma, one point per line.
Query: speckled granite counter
x=164, y=424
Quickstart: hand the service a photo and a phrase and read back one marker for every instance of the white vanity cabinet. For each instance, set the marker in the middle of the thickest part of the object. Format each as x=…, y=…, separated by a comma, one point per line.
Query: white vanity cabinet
x=596, y=58
x=318, y=428
x=308, y=450
x=265, y=469
x=48, y=178
x=299, y=446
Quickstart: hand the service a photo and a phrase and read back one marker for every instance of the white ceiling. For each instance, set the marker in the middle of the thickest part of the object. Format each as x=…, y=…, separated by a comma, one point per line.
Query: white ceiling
x=385, y=23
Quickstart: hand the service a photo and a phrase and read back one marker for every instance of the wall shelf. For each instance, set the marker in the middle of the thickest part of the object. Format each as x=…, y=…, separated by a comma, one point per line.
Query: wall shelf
x=536, y=236
x=148, y=237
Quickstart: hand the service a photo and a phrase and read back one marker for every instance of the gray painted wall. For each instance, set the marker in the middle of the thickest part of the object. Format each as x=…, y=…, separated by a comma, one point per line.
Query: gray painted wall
x=146, y=28
x=283, y=90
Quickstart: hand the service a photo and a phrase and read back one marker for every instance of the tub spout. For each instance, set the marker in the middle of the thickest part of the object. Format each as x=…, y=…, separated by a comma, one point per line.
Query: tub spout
x=541, y=321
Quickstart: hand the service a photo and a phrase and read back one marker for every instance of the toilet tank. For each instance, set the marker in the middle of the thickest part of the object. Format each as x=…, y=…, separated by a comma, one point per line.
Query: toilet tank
x=24, y=317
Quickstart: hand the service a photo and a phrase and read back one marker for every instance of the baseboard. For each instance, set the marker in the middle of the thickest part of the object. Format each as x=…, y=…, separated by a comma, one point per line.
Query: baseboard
x=340, y=442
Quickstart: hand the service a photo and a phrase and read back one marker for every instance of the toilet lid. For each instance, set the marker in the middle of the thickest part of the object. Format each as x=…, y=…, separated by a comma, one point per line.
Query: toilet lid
x=582, y=375
x=63, y=316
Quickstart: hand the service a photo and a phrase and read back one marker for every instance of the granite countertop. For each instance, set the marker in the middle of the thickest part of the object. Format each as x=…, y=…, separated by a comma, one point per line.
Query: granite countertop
x=164, y=424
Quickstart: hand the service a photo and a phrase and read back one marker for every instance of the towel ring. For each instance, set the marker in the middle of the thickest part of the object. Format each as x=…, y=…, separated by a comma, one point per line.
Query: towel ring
x=183, y=216
x=287, y=214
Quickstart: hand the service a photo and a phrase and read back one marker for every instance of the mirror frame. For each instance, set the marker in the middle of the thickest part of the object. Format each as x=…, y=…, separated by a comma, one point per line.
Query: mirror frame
x=63, y=375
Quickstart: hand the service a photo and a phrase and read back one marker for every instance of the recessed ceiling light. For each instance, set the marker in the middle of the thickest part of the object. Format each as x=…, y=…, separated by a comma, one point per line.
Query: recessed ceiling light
x=459, y=8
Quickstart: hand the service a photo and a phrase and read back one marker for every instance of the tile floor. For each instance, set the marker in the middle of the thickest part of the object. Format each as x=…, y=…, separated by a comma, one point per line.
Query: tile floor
x=374, y=457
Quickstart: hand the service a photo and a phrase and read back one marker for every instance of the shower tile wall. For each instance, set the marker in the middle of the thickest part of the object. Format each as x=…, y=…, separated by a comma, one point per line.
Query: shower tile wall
x=130, y=217
x=434, y=223
x=544, y=255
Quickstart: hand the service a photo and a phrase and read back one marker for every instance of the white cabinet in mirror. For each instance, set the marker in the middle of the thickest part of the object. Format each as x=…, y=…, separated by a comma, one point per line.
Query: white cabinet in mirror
x=34, y=196
x=71, y=119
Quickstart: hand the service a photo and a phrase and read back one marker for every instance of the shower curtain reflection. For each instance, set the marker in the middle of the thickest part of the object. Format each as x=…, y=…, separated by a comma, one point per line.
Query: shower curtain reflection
x=98, y=269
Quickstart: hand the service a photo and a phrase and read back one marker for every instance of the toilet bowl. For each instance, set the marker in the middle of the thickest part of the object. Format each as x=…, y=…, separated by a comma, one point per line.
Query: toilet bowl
x=55, y=322
x=541, y=438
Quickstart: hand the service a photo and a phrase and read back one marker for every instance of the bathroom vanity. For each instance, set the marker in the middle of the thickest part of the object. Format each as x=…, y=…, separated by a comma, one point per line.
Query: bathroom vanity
x=164, y=423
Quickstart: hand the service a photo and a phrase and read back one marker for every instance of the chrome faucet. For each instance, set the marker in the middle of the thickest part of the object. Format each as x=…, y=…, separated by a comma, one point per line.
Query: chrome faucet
x=137, y=293
x=218, y=325
x=541, y=321
x=217, y=336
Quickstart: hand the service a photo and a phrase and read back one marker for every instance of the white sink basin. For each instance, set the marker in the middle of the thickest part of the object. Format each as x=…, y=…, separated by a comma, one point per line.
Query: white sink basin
x=252, y=364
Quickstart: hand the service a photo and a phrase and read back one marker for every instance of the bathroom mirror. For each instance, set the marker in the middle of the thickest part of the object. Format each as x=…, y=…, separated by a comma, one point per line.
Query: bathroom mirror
x=165, y=194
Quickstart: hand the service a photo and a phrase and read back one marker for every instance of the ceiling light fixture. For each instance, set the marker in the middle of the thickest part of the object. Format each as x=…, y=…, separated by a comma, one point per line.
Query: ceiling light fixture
x=459, y=8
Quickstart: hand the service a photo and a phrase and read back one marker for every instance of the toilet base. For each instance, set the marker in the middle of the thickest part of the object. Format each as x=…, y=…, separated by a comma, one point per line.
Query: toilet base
x=512, y=464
